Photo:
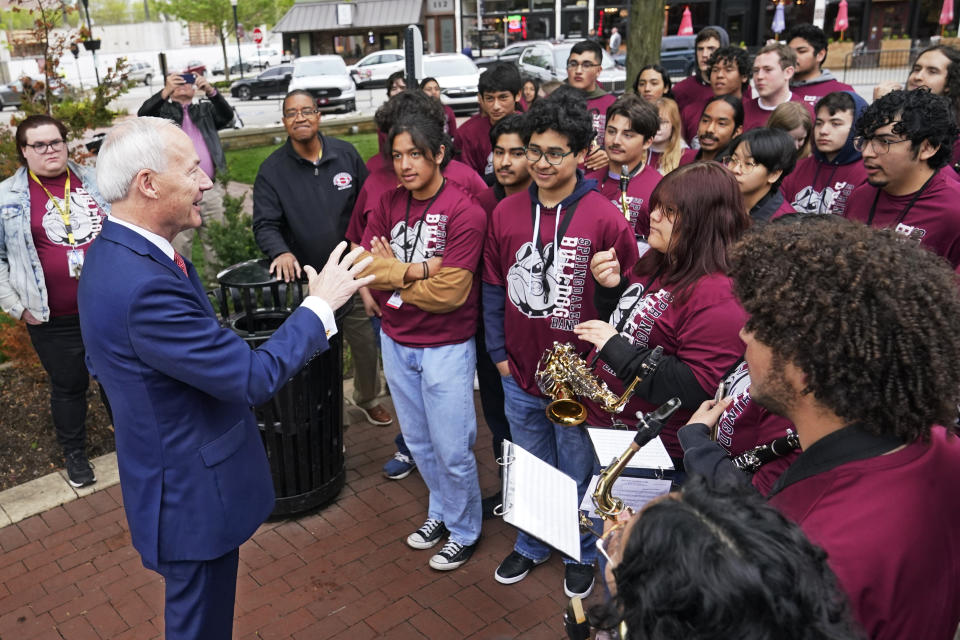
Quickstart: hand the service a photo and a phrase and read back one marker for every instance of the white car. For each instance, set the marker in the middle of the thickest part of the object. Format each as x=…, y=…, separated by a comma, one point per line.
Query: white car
x=327, y=79
x=140, y=72
x=374, y=69
x=457, y=76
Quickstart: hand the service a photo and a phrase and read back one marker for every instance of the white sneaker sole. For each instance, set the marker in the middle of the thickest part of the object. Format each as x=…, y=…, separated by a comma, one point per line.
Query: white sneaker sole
x=571, y=594
x=416, y=542
x=517, y=578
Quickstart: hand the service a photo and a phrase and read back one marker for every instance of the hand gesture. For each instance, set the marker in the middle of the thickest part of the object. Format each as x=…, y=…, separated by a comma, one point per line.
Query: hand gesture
x=285, y=267
x=204, y=86
x=885, y=87
x=597, y=160
x=606, y=268
x=338, y=281
x=380, y=247
x=173, y=81
x=709, y=412
x=596, y=332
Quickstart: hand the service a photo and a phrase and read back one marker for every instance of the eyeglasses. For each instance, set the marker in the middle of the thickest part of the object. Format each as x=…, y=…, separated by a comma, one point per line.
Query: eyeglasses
x=554, y=158
x=746, y=166
x=586, y=66
x=41, y=147
x=306, y=112
x=880, y=145
x=610, y=541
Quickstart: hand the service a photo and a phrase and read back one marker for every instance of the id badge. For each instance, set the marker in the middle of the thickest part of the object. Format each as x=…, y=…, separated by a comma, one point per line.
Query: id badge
x=75, y=262
x=395, y=302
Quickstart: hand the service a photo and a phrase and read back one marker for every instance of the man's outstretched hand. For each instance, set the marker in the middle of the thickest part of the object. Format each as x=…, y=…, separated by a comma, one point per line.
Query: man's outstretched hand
x=338, y=281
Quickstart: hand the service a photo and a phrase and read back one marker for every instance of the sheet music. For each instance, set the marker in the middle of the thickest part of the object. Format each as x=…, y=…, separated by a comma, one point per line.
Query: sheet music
x=541, y=500
x=611, y=443
x=635, y=492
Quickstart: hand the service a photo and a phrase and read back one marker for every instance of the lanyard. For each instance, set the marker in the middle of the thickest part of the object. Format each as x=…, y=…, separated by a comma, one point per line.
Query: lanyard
x=559, y=231
x=903, y=214
x=406, y=222
x=63, y=207
x=643, y=294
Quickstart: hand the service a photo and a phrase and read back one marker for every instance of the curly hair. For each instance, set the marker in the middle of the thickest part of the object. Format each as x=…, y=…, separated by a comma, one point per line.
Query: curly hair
x=734, y=55
x=564, y=111
x=814, y=36
x=712, y=562
x=870, y=318
x=919, y=115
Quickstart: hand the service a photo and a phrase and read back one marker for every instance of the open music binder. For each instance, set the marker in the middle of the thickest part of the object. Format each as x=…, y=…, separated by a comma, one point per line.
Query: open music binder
x=540, y=499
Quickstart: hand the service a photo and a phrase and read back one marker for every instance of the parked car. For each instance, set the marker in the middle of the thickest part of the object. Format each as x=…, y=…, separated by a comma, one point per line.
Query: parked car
x=374, y=69
x=327, y=79
x=198, y=67
x=217, y=68
x=510, y=53
x=678, y=55
x=9, y=96
x=140, y=72
x=273, y=81
x=457, y=76
x=275, y=58
x=548, y=61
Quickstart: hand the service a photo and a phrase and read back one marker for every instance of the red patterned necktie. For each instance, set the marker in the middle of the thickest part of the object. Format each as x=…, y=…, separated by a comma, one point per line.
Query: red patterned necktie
x=180, y=263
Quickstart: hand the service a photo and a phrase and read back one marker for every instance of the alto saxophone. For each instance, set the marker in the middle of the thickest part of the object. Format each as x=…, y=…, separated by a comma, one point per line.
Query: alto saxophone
x=563, y=375
x=607, y=505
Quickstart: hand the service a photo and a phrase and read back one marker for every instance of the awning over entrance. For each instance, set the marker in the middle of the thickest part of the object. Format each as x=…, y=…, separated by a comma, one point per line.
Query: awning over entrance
x=369, y=14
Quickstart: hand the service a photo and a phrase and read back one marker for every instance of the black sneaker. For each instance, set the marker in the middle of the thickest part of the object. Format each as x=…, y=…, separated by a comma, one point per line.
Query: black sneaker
x=515, y=568
x=428, y=535
x=79, y=470
x=452, y=556
x=577, y=580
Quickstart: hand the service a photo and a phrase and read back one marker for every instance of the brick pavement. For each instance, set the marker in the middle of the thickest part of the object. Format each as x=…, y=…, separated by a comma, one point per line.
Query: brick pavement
x=341, y=572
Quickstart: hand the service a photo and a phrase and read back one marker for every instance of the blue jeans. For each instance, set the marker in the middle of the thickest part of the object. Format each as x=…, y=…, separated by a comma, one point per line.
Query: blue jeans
x=432, y=390
x=567, y=448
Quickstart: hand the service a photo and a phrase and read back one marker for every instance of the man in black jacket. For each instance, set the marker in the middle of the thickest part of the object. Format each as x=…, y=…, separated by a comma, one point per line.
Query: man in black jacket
x=302, y=201
x=201, y=123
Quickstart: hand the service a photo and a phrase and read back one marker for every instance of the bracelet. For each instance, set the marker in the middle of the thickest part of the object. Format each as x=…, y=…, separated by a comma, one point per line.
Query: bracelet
x=426, y=270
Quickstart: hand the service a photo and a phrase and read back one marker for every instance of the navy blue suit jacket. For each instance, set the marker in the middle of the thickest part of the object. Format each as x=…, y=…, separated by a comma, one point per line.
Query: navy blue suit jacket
x=193, y=472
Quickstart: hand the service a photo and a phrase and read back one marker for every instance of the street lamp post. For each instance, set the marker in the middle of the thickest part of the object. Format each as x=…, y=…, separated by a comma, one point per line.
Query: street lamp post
x=236, y=33
x=92, y=44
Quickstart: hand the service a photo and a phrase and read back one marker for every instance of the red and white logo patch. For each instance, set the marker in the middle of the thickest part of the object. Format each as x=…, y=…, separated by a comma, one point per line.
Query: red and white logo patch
x=342, y=180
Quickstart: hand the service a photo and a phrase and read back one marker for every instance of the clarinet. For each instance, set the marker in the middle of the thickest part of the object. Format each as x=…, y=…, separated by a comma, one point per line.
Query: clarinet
x=750, y=461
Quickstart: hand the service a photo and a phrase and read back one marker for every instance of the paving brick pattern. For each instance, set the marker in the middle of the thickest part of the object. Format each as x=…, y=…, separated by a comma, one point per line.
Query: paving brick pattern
x=341, y=572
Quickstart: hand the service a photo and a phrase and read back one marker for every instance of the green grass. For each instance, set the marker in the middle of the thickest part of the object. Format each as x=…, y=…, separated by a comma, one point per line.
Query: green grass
x=244, y=163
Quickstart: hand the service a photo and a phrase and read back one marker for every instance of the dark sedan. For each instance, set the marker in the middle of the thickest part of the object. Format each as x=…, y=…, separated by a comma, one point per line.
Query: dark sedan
x=273, y=81
x=9, y=96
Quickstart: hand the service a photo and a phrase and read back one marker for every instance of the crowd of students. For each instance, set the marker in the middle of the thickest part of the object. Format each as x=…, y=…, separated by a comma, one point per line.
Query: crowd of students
x=677, y=216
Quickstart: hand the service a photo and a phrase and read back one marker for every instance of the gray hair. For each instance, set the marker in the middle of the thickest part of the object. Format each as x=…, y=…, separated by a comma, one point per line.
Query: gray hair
x=131, y=146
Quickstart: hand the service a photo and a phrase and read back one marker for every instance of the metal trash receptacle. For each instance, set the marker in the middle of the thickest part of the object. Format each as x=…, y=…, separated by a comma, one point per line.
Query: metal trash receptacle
x=302, y=425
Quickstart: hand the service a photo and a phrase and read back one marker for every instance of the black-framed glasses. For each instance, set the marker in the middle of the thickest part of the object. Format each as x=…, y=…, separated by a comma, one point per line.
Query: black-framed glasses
x=880, y=145
x=553, y=157
x=306, y=112
x=41, y=147
x=586, y=65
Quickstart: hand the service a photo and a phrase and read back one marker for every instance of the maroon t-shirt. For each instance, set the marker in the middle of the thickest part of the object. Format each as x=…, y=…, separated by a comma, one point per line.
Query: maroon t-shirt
x=378, y=161
x=690, y=117
x=450, y=125
x=597, y=107
x=473, y=141
x=453, y=228
x=384, y=179
x=889, y=526
x=810, y=94
x=638, y=194
x=692, y=90
x=816, y=187
x=934, y=219
x=756, y=116
x=50, y=236
x=689, y=156
x=702, y=331
x=548, y=291
x=746, y=425
x=487, y=200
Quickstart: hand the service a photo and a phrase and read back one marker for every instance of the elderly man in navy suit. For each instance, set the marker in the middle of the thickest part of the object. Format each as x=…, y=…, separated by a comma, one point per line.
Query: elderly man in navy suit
x=195, y=479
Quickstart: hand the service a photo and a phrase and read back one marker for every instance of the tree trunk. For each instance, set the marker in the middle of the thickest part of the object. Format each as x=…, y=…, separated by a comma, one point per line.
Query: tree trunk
x=646, y=28
x=226, y=64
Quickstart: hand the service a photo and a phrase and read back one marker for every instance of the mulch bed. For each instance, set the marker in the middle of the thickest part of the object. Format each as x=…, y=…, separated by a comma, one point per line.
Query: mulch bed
x=28, y=444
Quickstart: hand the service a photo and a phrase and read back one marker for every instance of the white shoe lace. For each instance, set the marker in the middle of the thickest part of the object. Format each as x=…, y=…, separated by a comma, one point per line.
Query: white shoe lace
x=402, y=458
x=451, y=549
x=429, y=526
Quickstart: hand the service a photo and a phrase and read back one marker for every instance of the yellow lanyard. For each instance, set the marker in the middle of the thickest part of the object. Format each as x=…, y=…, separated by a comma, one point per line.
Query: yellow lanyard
x=63, y=207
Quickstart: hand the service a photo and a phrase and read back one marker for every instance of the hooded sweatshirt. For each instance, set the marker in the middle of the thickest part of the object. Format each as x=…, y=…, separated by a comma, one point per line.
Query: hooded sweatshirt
x=810, y=91
x=534, y=294
x=693, y=89
x=818, y=185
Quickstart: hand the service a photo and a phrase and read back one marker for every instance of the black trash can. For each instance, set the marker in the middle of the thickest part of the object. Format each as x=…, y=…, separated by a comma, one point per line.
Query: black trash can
x=302, y=425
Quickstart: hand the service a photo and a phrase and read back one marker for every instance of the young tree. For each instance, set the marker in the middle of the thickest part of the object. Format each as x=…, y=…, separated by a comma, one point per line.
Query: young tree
x=646, y=28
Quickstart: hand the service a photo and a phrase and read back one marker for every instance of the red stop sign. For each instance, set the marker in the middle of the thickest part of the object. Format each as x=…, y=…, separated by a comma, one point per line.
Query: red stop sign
x=258, y=35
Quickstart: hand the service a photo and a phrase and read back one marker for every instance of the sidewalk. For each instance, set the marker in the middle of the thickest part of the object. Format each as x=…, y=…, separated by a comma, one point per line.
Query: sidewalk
x=70, y=573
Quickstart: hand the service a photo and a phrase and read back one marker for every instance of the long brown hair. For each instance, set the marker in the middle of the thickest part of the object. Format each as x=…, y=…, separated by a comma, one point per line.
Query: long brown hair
x=670, y=158
x=708, y=214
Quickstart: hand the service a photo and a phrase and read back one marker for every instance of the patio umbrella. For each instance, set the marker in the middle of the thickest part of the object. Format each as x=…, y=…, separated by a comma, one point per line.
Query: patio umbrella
x=842, y=22
x=686, y=23
x=946, y=15
x=779, y=24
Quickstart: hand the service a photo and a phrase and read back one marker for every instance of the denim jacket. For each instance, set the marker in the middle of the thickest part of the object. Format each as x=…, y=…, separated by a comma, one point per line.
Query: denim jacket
x=22, y=284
